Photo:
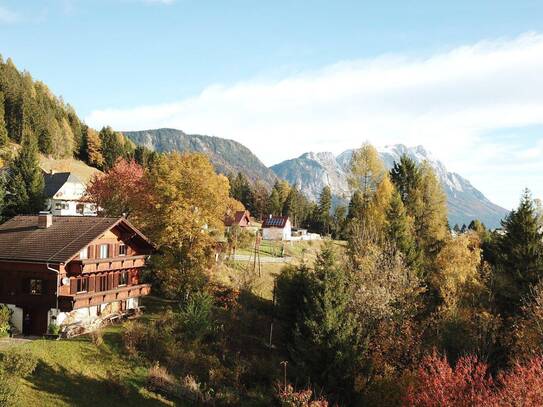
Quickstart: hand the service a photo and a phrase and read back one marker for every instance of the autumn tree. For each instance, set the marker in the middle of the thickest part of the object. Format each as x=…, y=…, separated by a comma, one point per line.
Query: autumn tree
x=92, y=150
x=188, y=203
x=373, y=190
x=123, y=190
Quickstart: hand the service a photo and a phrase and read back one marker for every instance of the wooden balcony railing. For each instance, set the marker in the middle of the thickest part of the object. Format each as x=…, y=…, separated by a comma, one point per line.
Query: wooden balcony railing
x=87, y=299
x=112, y=263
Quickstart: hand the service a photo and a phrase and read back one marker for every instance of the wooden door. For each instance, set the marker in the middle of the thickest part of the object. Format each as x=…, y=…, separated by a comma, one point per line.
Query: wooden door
x=34, y=321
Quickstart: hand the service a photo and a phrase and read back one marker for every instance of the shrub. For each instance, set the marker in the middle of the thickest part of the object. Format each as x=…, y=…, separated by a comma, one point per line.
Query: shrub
x=19, y=363
x=196, y=316
x=161, y=382
x=288, y=397
x=134, y=335
x=97, y=337
x=5, y=320
x=53, y=329
x=190, y=388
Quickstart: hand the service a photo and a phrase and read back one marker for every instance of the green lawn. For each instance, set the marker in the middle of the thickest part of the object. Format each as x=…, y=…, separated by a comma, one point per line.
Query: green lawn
x=75, y=372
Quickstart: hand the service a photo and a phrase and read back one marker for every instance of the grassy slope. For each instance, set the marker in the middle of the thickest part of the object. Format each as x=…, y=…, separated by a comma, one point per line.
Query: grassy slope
x=74, y=372
x=79, y=168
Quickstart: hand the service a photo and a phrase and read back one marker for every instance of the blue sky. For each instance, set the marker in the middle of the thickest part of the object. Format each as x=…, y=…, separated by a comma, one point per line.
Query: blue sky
x=461, y=78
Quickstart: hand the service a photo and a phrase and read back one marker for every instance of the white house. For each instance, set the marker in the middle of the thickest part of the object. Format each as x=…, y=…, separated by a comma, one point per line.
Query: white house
x=276, y=228
x=64, y=195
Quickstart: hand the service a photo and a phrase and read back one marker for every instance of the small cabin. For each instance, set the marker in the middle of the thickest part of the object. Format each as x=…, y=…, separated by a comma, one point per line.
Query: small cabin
x=240, y=218
x=277, y=228
x=70, y=270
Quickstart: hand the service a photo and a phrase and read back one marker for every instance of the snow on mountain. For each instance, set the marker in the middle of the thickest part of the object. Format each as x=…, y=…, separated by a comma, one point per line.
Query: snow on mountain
x=312, y=171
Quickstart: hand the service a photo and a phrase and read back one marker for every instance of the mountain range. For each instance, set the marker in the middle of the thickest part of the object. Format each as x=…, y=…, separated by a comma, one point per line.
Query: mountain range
x=227, y=156
x=310, y=172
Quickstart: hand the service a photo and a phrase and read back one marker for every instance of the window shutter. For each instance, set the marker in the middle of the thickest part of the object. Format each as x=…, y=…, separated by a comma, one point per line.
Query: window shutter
x=73, y=285
x=110, y=281
x=115, y=279
x=116, y=250
x=91, y=252
x=91, y=283
x=111, y=250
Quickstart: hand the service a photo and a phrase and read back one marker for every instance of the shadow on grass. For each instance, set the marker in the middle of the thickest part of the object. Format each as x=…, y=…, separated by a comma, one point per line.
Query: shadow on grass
x=81, y=390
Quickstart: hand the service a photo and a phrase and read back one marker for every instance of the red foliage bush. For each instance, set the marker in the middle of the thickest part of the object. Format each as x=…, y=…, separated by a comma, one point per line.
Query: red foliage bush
x=470, y=384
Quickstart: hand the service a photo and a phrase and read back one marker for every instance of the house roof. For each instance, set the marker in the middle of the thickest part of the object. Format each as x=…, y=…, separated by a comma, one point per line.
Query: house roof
x=53, y=182
x=275, y=222
x=237, y=218
x=22, y=240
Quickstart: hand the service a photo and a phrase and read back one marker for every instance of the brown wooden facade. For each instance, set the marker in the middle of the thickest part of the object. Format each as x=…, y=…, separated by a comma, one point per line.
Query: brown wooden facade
x=106, y=270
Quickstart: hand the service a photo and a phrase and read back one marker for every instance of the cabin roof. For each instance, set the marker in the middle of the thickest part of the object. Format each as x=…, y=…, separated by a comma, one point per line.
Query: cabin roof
x=237, y=218
x=275, y=222
x=22, y=240
x=53, y=182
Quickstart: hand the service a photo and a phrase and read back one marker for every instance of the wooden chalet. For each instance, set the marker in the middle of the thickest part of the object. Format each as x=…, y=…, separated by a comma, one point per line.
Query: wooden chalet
x=69, y=269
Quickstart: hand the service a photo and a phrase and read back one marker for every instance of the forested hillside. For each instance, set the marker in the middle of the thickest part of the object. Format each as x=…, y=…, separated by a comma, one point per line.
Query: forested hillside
x=29, y=110
x=228, y=156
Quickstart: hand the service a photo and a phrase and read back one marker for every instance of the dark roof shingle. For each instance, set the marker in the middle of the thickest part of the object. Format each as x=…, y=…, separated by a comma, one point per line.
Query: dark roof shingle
x=21, y=239
x=53, y=182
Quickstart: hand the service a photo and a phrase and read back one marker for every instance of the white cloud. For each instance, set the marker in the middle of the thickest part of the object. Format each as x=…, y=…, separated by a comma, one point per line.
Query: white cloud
x=7, y=16
x=449, y=102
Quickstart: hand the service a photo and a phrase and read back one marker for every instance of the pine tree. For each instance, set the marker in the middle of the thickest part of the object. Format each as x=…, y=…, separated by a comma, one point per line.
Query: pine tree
x=25, y=182
x=400, y=232
x=520, y=258
x=3, y=129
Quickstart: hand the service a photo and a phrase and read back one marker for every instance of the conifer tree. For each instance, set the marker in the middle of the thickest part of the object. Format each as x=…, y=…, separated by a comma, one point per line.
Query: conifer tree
x=3, y=129
x=406, y=177
x=111, y=148
x=400, y=231
x=324, y=342
x=25, y=182
x=325, y=206
x=520, y=257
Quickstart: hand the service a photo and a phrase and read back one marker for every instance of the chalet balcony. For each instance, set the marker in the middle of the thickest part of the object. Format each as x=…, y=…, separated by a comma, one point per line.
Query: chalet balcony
x=87, y=299
x=108, y=264
x=32, y=300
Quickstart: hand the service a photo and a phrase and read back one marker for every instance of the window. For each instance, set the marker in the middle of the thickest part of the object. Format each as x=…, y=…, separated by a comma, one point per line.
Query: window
x=104, y=251
x=122, y=249
x=36, y=287
x=58, y=206
x=61, y=206
x=123, y=278
x=102, y=283
x=82, y=284
x=84, y=253
x=80, y=208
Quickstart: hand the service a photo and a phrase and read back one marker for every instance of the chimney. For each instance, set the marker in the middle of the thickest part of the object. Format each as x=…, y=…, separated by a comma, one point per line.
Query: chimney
x=45, y=219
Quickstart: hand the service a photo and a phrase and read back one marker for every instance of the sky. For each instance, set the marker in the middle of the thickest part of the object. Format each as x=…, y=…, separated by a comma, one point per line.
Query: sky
x=463, y=78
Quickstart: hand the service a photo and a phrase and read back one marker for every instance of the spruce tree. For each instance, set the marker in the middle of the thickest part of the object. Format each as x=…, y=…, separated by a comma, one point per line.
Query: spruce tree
x=400, y=232
x=325, y=206
x=520, y=257
x=3, y=129
x=25, y=182
x=111, y=147
x=405, y=175
x=324, y=340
